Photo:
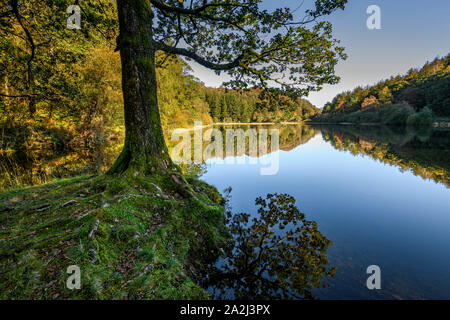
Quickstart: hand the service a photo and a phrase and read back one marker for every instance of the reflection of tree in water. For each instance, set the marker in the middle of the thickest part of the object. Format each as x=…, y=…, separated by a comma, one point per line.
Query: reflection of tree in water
x=291, y=136
x=425, y=151
x=246, y=140
x=278, y=255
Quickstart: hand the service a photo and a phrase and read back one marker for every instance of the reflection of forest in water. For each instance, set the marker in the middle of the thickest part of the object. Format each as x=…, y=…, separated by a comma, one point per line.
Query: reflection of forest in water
x=425, y=152
x=31, y=159
x=220, y=141
x=290, y=136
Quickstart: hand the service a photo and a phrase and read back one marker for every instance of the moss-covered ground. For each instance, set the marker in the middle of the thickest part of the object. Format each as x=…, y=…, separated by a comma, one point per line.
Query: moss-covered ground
x=132, y=238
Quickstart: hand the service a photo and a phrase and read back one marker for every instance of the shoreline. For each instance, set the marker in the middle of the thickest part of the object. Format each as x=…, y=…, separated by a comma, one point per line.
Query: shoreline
x=239, y=123
x=435, y=124
x=255, y=123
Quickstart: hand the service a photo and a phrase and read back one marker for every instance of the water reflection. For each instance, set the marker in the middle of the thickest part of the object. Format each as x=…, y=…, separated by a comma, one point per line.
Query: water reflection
x=237, y=144
x=39, y=155
x=347, y=180
x=277, y=254
x=425, y=152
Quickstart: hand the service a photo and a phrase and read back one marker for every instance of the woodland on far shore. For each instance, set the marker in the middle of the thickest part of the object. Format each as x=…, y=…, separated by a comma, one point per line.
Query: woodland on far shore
x=419, y=98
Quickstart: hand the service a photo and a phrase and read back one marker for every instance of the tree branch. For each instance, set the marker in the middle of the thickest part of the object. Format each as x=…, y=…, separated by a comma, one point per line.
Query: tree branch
x=15, y=9
x=163, y=6
x=202, y=61
x=15, y=96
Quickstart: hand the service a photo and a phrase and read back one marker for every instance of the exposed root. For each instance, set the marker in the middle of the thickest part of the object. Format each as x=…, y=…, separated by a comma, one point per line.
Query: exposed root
x=94, y=229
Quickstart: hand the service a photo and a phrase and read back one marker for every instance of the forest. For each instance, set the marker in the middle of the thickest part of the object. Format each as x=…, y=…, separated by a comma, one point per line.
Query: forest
x=419, y=98
x=255, y=105
x=87, y=137
x=77, y=104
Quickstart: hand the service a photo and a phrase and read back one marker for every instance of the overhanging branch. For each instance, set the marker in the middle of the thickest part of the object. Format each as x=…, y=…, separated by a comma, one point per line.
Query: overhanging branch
x=194, y=56
x=193, y=11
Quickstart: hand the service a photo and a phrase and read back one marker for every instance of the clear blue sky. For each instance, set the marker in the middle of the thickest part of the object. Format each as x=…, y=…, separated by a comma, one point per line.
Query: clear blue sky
x=413, y=32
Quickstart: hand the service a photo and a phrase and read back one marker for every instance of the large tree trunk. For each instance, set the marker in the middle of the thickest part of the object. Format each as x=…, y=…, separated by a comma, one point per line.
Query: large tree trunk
x=145, y=150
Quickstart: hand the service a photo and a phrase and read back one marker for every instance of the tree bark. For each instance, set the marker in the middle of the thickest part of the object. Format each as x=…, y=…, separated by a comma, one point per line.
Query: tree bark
x=145, y=150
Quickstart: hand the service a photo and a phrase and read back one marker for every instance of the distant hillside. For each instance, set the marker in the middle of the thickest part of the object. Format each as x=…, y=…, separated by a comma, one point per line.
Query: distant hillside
x=254, y=105
x=183, y=99
x=417, y=98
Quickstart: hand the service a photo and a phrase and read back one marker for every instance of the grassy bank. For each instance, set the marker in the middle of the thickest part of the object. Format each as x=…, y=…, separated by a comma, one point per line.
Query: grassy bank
x=132, y=237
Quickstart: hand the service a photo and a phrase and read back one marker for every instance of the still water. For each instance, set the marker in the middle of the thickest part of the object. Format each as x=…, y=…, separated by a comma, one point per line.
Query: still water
x=380, y=194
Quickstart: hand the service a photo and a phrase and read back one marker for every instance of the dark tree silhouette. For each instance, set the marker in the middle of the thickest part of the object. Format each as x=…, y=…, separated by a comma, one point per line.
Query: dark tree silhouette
x=278, y=255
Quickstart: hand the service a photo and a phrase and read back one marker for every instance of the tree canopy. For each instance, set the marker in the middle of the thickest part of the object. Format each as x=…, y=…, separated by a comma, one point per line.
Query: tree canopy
x=253, y=45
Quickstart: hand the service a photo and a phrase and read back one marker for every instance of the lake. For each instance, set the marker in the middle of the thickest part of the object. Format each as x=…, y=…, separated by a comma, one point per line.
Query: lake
x=380, y=194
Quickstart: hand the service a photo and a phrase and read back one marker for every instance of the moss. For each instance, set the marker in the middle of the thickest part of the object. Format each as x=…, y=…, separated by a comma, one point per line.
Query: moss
x=122, y=161
x=132, y=237
x=147, y=64
x=143, y=7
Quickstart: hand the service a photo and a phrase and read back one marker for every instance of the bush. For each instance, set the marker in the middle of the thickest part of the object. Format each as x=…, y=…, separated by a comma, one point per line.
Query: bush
x=421, y=119
x=370, y=117
x=397, y=114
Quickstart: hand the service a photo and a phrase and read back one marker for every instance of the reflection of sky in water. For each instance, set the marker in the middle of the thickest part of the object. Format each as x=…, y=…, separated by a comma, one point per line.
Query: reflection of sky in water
x=373, y=213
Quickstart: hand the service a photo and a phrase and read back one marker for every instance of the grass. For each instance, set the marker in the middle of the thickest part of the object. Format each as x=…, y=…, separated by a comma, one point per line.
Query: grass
x=132, y=237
